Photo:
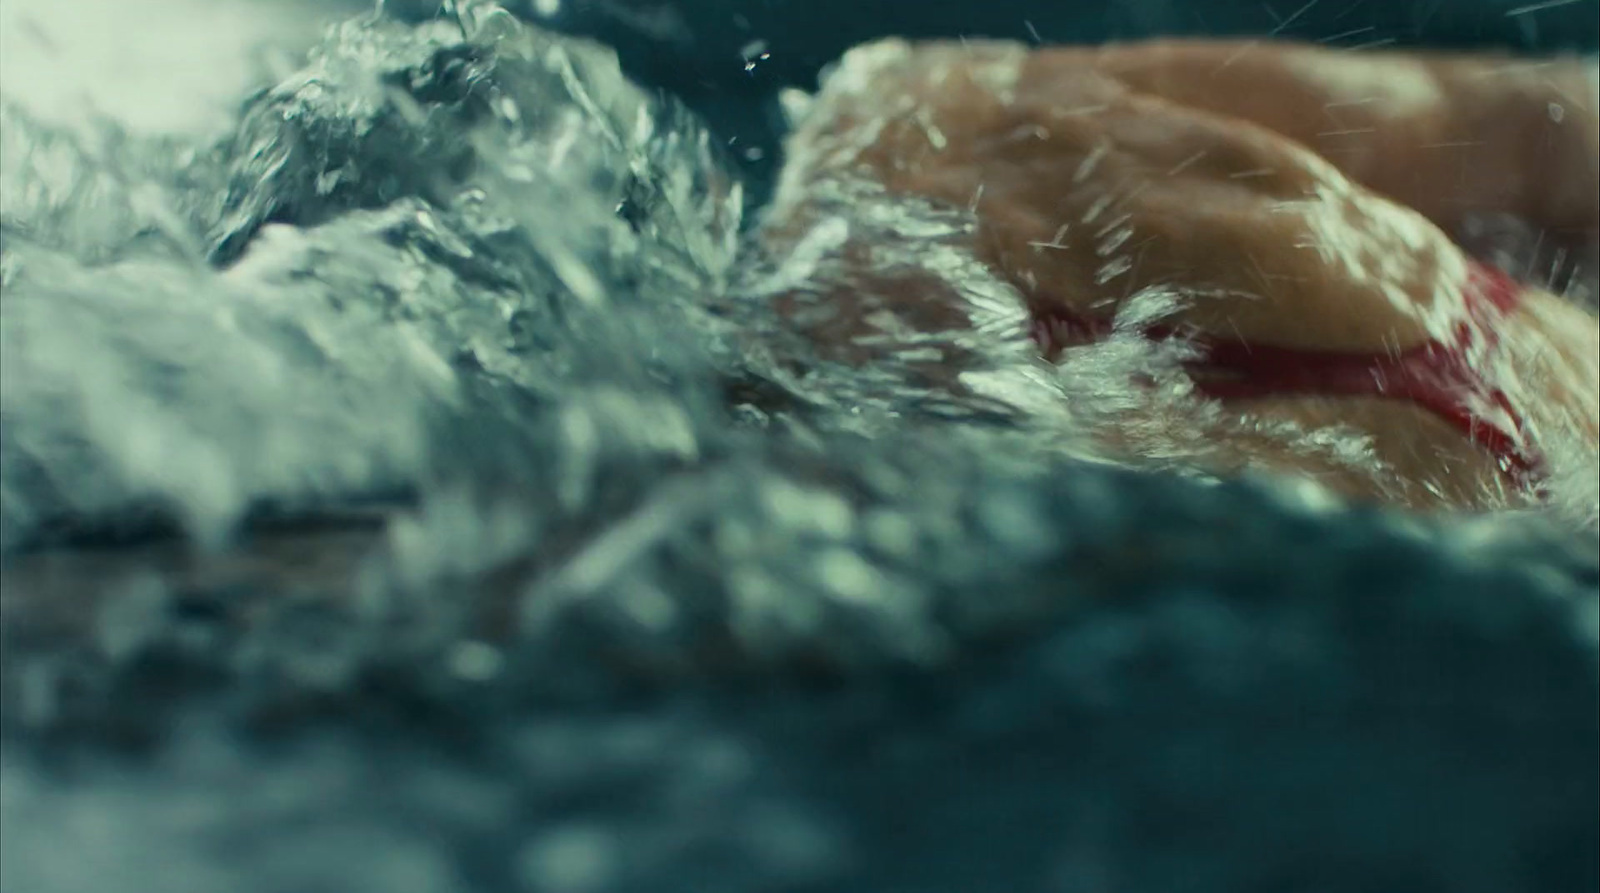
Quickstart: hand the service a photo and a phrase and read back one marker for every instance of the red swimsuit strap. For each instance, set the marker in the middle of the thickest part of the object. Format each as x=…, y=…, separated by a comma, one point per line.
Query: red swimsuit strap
x=1435, y=375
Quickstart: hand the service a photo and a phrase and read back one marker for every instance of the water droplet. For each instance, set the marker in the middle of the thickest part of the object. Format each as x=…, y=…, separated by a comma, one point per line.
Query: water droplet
x=753, y=53
x=1114, y=268
x=1116, y=240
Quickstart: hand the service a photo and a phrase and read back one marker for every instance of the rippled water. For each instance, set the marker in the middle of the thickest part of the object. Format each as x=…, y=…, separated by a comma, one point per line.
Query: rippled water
x=655, y=599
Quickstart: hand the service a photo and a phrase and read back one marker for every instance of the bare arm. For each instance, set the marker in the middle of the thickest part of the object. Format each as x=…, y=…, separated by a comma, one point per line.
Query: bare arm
x=1084, y=190
x=1448, y=135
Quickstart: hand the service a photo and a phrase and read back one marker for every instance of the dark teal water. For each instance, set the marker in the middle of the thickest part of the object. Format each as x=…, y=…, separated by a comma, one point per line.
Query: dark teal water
x=397, y=496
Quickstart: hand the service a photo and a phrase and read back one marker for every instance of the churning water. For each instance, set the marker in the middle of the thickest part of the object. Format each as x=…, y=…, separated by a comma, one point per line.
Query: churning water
x=566, y=571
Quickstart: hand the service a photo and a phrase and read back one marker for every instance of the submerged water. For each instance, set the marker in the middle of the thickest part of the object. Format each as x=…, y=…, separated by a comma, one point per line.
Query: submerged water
x=660, y=600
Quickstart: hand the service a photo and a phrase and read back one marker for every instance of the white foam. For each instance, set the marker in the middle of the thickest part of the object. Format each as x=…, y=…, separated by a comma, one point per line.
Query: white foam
x=154, y=65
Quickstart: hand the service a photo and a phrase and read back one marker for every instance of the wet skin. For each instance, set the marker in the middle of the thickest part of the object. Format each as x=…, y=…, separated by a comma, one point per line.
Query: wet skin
x=1297, y=197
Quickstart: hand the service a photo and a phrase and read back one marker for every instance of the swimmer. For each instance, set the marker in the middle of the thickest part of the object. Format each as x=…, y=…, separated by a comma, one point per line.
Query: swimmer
x=1300, y=205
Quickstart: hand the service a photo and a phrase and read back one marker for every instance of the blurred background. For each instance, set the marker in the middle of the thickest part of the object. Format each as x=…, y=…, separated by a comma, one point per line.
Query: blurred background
x=726, y=58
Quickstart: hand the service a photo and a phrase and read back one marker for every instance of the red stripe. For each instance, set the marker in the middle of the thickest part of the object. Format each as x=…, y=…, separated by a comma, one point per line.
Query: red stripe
x=1434, y=375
